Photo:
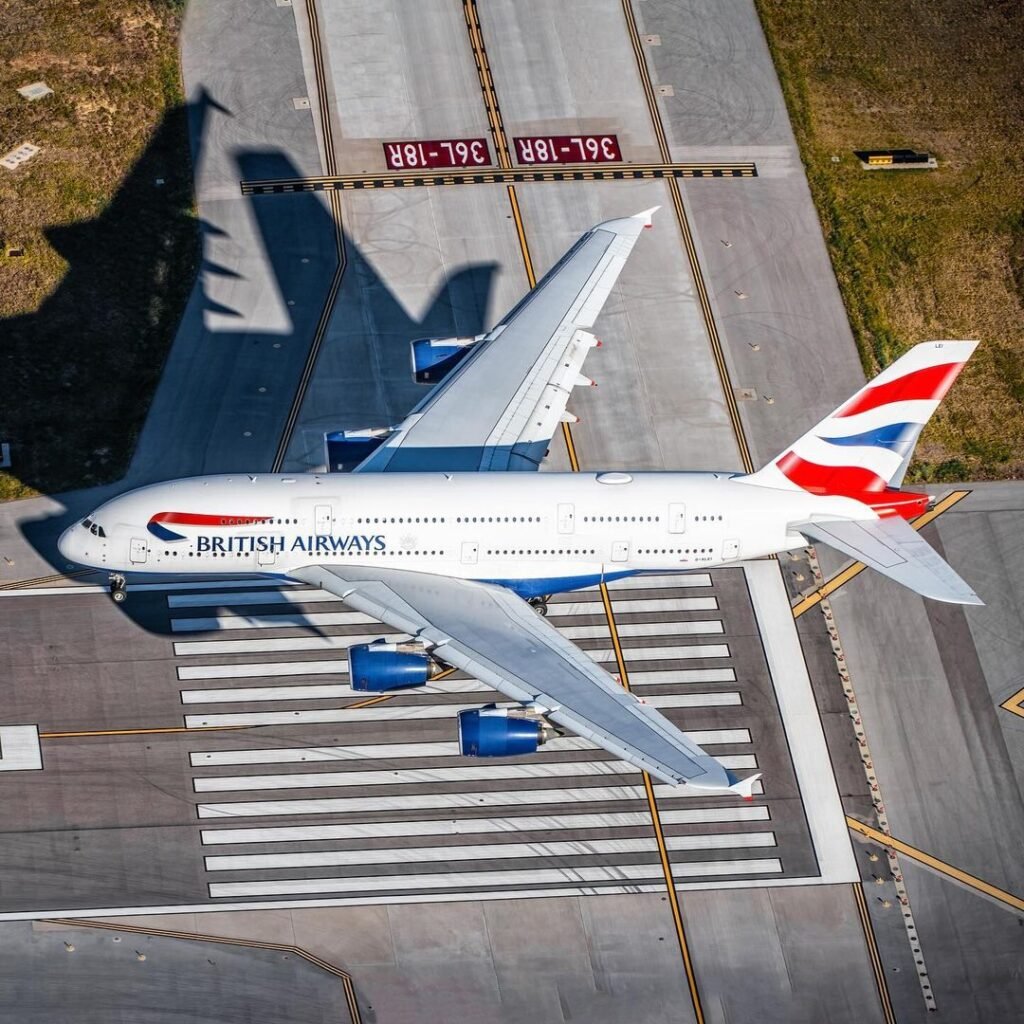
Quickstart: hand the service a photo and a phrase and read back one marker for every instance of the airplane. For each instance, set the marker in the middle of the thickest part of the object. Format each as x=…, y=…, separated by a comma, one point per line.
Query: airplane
x=439, y=531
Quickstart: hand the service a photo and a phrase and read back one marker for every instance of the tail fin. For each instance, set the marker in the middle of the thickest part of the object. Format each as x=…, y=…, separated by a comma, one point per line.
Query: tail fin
x=866, y=445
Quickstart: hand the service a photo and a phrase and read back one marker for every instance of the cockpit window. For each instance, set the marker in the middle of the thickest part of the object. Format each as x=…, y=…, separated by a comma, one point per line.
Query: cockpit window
x=94, y=528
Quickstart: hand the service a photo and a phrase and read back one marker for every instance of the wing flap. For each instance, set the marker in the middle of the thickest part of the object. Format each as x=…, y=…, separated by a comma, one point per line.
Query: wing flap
x=497, y=637
x=895, y=549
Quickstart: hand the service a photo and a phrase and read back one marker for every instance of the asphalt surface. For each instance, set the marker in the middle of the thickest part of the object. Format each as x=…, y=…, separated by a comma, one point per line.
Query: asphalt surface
x=112, y=821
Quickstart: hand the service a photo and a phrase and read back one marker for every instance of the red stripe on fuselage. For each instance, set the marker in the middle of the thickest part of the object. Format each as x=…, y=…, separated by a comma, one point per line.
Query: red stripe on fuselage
x=194, y=519
x=928, y=384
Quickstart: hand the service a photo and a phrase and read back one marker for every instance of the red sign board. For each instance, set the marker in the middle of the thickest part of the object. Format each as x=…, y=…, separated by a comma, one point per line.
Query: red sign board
x=568, y=149
x=414, y=156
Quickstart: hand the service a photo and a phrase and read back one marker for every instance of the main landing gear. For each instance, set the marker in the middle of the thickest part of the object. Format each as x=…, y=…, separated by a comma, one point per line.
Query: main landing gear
x=118, y=587
x=540, y=604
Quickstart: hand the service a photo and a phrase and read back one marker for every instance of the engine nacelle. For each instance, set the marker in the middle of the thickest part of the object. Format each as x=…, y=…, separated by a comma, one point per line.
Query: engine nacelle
x=383, y=666
x=500, y=732
x=434, y=358
x=345, y=449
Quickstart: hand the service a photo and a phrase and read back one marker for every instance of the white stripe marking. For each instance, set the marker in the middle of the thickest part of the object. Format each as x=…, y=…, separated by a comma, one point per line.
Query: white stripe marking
x=469, y=879
x=433, y=775
x=390, y=751
x=736, y=812
x=489, y=851
x=384, y=712
x=429, y=801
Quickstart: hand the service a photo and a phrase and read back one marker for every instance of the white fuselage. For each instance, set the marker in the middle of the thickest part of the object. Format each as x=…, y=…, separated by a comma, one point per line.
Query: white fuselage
x=537, y=533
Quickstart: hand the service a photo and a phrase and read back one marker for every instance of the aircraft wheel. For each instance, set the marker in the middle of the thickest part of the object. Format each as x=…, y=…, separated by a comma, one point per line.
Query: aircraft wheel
x=119, y=594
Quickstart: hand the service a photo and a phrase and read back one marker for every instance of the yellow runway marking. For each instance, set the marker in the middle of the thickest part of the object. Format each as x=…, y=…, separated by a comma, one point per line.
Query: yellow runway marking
x=980, y=886
x=1014, y=704
x=877, y=967
x=831, y=585
x=168, y=933
x=41, y=580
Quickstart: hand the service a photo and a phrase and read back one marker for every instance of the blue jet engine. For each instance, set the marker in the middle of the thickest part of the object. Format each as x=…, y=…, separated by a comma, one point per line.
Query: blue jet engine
x=501, y=732
x=384, y=666
x=345, y=449
x=435, y=358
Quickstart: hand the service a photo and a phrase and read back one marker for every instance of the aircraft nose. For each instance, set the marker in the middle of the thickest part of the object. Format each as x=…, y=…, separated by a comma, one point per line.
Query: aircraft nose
x=67, y=544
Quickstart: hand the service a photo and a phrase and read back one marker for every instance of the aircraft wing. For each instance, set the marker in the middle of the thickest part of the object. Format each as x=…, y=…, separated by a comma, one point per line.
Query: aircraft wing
x=498, y=638
x=499, y=408
x=895, y=549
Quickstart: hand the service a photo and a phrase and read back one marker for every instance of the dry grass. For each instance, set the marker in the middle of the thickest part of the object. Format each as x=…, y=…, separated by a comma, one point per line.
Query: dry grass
x=79, y=312
x=921, y=254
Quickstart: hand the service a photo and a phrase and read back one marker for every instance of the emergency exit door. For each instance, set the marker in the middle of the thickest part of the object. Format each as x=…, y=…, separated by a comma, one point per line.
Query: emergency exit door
x=323, y=519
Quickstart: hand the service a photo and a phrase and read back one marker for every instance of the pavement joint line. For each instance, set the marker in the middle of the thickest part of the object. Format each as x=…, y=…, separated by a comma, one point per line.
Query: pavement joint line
x=224, y=940
x=849, y=572
x=867, y=762
x=978, y=885
x=689, y=244
x=877, y=967
x=320, y=332
x=476, y=38
x=496, y=176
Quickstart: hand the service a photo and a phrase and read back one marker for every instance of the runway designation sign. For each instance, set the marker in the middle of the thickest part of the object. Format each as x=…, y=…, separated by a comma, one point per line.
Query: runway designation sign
x=568, y=149
x=411, y=156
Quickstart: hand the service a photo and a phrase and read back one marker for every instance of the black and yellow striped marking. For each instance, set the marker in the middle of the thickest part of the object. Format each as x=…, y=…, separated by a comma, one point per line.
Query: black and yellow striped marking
x=637, y=172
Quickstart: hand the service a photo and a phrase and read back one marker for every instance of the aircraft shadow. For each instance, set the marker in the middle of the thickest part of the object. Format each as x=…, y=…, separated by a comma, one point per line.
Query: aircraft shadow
x=191, y=427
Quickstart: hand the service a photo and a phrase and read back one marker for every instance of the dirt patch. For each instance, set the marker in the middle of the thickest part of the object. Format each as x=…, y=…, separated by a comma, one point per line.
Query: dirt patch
x=103, y=217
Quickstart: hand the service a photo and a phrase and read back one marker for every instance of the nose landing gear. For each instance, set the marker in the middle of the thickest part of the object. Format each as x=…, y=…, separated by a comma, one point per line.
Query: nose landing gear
x=540, y=604
x=118, y=587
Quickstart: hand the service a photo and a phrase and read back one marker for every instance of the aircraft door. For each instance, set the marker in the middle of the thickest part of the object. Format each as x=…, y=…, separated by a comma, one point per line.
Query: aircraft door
x=566, y=518
x=323, y=519
x=138, y=550
x=470, y=552
x=266, y=557
x=676, y=517
x=730, y=549
x=620, y=551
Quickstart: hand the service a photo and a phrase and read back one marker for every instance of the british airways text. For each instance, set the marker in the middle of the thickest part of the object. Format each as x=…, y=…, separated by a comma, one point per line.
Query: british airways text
x=313, y=544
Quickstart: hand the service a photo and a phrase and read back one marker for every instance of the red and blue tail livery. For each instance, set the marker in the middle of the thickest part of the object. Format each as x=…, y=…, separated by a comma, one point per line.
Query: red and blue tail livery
x=157, y=528
x=863, y=449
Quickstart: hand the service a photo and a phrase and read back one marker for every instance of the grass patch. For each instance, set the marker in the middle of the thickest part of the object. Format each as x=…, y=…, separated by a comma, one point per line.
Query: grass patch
x=88, y=313
x=921, y=254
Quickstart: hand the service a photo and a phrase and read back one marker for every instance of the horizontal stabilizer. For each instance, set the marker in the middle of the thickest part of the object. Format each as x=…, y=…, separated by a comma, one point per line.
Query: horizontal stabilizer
x=895, y=549
x=745, y=787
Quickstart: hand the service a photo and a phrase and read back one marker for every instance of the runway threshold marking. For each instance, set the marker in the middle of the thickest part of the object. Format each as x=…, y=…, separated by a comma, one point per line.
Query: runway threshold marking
x=978, y=885
x=502, y=176
x=877, y=967
x=224, y=940
x=841, y=578
x=334, y=202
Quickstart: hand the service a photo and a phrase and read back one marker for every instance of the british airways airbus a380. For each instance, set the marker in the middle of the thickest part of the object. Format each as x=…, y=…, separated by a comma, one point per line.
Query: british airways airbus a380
x=436, y=534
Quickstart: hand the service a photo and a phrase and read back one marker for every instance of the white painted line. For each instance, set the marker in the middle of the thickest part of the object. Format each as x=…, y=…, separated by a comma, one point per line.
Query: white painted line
x=91, y=588
x=340, y=667
x=562, y=608
x=391, y=751
x=207, y=624
x=433, y=775
x=489, y=851
x=429, y=801
x=635, y=629
x=188, y=648
x=385, y=712
x=242, y=694
x=19, y=748
x=470, y=879
x=735, y=812
x=229, y=599
x=273, y=620
x=678, y=653
x=694, y=579
x=825, y=816
x=265, y=668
